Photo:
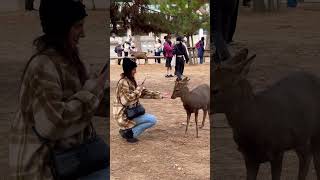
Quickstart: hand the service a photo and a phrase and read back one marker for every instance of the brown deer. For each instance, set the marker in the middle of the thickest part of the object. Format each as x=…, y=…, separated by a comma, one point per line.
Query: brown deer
x=265, y=125
x=140, y=55
x=198, y=98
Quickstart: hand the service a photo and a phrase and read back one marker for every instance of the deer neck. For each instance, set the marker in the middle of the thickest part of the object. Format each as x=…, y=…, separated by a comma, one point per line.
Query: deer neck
x=185, y=94
x=242, y=104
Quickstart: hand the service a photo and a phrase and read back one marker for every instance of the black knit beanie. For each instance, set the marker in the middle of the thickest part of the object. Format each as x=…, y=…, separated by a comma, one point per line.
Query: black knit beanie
x=128, y=65
x=58, y=16
x=179, y=38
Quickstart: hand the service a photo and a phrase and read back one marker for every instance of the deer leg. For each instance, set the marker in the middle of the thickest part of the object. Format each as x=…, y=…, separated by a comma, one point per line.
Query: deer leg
x=252, y=168
x=204, y=118
x=276, y=166
x=316, y=159
x=188, y=120
x=196, y=120
x=304, y=163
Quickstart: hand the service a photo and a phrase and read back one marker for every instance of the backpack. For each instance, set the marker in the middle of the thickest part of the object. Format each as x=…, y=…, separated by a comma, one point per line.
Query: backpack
x=163, y=50
x=116, y=49
x=198, y=45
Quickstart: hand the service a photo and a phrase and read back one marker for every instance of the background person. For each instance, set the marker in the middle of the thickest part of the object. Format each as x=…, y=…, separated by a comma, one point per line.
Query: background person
x=157, y=50
x=180, y=52
x=168, y=49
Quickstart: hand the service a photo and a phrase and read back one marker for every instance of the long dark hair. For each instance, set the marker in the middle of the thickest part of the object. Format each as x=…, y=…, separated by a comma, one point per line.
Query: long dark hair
x=59, y=44
x=129, y=76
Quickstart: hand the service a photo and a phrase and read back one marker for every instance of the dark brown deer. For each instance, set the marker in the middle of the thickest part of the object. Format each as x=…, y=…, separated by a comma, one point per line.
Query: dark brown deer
x=265, y=125
x=198, y=98
x=140, y=55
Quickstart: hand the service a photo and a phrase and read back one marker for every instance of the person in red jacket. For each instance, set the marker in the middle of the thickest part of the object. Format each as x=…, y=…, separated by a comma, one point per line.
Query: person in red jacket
x=168, y=49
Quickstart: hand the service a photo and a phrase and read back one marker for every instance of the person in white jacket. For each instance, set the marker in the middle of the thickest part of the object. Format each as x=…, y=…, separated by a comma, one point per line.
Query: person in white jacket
x=157, y=50
x=184, y=42
x=126, y=47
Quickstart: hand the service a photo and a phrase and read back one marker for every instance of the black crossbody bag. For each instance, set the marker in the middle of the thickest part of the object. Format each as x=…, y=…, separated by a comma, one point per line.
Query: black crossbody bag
x=133, y=111
x=81, y=160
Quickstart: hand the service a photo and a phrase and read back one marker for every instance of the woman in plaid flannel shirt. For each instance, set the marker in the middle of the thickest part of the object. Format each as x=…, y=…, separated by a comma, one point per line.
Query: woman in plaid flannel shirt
x=57, y=95
x=129, y=93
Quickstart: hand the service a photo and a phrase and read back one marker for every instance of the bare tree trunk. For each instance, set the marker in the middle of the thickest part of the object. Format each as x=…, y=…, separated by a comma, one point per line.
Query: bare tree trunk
x=93, y=5
x=259, y=6
x=272, y=5
x=188, y=41
x=29, y=5
x=192, y=52
x=207, y=45
x=279, y=4
x=275, y=5
x=137, y=42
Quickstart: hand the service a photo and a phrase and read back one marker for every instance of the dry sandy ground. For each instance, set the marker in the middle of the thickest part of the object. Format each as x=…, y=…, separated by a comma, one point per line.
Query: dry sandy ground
x=284, y=42
x=163, y=152
x=18, y=29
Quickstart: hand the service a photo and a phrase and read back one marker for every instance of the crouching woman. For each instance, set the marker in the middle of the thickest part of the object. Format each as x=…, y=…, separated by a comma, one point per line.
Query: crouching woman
x=128, y=93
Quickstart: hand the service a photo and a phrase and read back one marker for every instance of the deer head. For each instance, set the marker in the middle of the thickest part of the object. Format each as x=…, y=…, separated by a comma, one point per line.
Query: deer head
x=228, y=81
x=179, y=86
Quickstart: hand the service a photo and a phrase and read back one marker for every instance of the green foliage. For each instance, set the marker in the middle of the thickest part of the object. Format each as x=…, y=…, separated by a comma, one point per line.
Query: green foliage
x=186, y=19
x=137, y=16
x=176, y=16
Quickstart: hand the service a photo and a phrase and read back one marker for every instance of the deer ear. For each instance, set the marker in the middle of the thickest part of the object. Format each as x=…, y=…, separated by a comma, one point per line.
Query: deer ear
x=240, y=56
x=246, y=66
x=185, y=79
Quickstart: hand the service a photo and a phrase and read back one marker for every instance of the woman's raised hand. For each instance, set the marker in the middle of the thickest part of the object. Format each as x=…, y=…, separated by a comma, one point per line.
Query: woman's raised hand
x=165, y=95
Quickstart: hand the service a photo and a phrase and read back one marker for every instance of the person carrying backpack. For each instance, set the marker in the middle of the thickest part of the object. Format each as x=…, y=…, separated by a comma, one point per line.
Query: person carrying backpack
x=200, y=48
x=118, y=49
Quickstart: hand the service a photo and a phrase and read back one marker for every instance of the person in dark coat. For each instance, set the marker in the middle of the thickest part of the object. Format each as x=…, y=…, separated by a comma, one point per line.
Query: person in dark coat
x=180, y=51
x=224, y=24
x=118, y=49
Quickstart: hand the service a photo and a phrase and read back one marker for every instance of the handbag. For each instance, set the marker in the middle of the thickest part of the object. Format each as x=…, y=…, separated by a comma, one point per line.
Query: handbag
x=135, y=111
x=132, y=111
x=90, y=156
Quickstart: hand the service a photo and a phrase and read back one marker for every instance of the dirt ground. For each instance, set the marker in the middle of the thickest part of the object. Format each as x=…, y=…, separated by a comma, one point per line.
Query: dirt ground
x=18, y=29
x=163, y=152
x=284, y=42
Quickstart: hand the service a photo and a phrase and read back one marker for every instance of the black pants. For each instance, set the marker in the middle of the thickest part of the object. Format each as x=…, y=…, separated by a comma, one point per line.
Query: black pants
x=179, y=68
x=224, y=24
x=119, y=60
x=157, y=59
